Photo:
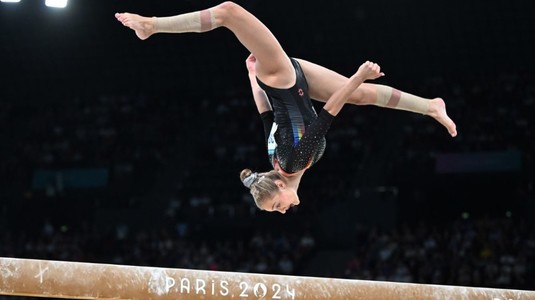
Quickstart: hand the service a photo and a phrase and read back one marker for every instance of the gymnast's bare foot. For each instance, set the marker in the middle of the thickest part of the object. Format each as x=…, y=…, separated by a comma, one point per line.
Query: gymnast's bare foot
x=437, y=110
x=143, y=26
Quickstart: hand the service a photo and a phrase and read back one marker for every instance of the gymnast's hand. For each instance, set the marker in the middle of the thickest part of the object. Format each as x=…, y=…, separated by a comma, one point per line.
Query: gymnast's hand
x=369, y=71
x=250, y=62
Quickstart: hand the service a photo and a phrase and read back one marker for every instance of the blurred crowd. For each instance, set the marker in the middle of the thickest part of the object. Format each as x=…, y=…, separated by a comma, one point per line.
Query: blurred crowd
x=261, y=252
x=211, y=138
x=483, y=252
x=488, y=252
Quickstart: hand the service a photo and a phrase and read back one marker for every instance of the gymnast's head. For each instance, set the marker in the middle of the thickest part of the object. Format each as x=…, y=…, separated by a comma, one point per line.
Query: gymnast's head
x=270, y=190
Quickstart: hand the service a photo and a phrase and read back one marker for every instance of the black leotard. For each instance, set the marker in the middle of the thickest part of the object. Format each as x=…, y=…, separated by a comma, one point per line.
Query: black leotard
x=295, y=134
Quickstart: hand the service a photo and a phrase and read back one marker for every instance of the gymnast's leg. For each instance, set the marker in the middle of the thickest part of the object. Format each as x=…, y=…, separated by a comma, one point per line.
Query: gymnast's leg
x=324, y=82
x=273, y=66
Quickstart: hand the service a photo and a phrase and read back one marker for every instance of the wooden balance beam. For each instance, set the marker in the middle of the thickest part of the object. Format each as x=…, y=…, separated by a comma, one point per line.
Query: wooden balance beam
x=76, y=280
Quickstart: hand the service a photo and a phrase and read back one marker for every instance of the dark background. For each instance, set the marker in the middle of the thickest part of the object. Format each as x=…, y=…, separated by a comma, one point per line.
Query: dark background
x=170, y=123
x=85, y=48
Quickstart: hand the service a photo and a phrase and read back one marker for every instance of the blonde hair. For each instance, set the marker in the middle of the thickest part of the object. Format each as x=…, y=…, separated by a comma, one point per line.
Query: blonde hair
x=262, y=185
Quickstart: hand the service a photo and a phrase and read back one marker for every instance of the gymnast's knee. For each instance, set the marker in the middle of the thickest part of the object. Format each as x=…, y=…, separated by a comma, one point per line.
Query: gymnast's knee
x=226, y=12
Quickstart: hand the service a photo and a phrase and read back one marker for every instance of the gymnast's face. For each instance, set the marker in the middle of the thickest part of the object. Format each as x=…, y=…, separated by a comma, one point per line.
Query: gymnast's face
x=285, y=199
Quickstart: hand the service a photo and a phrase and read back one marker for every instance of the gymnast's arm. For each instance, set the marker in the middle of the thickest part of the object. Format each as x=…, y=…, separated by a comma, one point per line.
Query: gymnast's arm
x=260, y=98
x=367, y=70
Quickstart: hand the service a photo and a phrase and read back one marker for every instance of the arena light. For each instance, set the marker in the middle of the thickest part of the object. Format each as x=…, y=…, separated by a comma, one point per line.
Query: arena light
x=56, y=3
x=10, y=1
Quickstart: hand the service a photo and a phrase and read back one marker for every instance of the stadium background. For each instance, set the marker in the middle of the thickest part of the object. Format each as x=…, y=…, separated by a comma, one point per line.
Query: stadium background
x=122, y=151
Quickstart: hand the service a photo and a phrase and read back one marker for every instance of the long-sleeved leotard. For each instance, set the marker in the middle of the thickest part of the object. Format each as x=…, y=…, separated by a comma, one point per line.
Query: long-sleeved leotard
x=295, y=133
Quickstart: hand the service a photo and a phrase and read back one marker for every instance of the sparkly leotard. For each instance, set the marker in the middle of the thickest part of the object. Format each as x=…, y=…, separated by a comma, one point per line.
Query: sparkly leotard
x=295, y=133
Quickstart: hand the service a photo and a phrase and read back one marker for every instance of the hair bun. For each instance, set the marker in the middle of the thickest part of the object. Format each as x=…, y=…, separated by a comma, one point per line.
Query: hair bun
x=248, y=181
x=245, y=173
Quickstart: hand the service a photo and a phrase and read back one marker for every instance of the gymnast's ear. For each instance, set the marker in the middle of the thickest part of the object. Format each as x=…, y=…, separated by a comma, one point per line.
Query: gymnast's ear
x=280, y=183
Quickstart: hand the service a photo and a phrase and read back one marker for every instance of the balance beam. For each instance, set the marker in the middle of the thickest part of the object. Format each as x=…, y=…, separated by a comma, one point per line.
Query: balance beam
x=76, y=280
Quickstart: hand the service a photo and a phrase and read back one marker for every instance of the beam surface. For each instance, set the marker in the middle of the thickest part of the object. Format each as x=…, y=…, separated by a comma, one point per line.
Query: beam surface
x=76, y=280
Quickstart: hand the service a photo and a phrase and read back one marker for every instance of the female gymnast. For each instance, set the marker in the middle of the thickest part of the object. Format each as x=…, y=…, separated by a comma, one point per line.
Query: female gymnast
x=283, y=87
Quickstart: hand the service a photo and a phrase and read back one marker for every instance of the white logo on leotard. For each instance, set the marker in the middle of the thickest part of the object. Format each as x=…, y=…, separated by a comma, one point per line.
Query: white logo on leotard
x=272, y=144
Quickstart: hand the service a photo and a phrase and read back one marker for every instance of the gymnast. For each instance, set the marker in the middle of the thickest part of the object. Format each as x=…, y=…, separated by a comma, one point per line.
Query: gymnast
x=283, y=88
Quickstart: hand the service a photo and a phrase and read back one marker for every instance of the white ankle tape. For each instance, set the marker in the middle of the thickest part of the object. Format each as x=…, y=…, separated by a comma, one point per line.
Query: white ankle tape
x=198, y=21
x=393, y=98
